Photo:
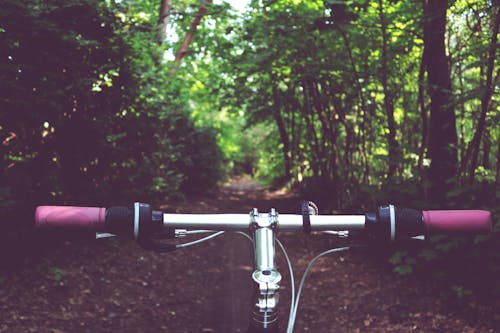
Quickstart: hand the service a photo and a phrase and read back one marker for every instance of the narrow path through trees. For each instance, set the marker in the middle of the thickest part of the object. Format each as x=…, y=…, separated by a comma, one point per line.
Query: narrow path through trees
x=114, y=286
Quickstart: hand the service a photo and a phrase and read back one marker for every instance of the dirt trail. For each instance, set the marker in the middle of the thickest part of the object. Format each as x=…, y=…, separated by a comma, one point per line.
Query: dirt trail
x=230, y=303
x=114, y=286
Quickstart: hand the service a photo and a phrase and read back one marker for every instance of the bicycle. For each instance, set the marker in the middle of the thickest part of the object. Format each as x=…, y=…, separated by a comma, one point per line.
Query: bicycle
x=150, y=227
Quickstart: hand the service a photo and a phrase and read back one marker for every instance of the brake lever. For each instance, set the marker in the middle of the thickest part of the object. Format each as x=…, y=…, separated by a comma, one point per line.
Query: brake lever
x=100, y=235
x=338, y=233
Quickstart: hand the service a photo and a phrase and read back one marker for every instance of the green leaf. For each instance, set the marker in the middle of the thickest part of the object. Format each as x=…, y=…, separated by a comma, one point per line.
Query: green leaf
x=57, y=274
x=115, y=137
x=427, y=254
x=398, y=257
x=403, y=269
x=335, y=2
x=461, y=292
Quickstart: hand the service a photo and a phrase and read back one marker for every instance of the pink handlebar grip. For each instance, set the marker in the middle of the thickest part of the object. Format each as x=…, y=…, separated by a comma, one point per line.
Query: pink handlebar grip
x=458, y=221
x=91, y=218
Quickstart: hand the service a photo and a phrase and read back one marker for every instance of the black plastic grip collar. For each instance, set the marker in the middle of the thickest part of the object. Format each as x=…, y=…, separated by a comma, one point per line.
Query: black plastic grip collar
x=150, y=224
x=120, y=220
x=407, y=223
x=306, y=207
x=306, y=220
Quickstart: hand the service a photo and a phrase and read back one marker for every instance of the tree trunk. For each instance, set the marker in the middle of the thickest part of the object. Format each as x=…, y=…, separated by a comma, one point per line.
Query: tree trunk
x=285, y=139
x=461, y=142
x=497, y=176
x=423, y=112
x=189, y=36
x=364, y=112
x=388, y=100
x=295, y=134
x=442, y=131
x=328, y=136
x=310, y=129
x=286, y=143
x=163, y=19
x=487, y=95
x=486, y=151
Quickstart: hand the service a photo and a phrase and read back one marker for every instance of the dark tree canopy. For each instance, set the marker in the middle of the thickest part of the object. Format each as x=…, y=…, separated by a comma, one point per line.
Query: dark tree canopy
x=76, y=123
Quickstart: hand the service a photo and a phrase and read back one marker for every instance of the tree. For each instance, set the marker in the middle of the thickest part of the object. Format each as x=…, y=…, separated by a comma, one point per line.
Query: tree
x=163, y=19
x=388, y=99
x=189, y=36
x=487, y=93
x=83, y=122
x=442, y=129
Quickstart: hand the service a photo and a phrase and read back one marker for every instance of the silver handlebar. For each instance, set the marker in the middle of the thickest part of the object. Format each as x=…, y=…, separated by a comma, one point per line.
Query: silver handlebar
x=242, y=222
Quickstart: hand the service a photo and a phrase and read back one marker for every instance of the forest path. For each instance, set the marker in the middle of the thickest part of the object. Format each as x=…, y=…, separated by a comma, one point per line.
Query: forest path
x=115, y=286
x=350, y=292
x=228, y=308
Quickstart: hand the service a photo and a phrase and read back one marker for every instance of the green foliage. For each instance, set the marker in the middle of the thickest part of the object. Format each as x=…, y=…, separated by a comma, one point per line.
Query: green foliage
x=292, y=92
x=88, y=113
x=461, y=292
x=298, y=85
x=313, y=69
x=404, y=269
x=403, y=263
x=57, y=274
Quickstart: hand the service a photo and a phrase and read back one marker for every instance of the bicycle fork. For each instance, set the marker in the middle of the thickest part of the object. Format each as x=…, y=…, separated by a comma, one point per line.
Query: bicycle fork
x=264, y=317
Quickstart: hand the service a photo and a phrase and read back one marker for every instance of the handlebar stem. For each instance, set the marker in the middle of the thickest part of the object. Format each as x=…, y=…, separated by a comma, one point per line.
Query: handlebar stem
x=265, y=275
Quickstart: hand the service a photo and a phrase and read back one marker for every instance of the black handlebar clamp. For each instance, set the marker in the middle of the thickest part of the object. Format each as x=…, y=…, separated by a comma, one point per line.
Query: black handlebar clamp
x=150, y=225
x=139, y=221
x=308, y=208
x=393, y=223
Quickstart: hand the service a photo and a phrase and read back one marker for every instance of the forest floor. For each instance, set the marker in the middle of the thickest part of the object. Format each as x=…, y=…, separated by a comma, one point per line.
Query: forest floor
x=111, y=285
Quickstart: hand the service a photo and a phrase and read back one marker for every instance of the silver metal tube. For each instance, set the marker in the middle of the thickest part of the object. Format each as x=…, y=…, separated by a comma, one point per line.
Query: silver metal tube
x=228, y=222
x=265, y=251
x=322, y=222
x=241, y=222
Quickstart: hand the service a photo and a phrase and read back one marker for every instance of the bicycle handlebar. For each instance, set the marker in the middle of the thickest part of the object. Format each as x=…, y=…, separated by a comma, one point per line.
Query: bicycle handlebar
x=141, y=222
x=69, y=216
x=458, y=221
x=148, y=227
